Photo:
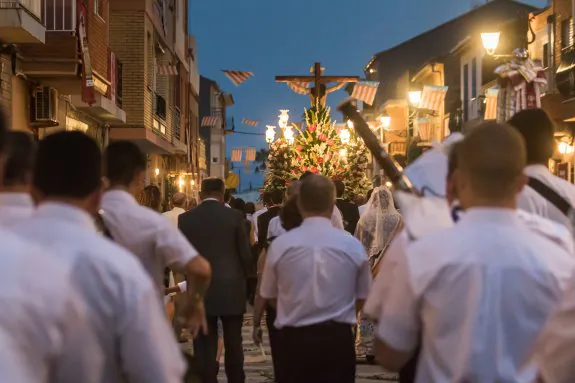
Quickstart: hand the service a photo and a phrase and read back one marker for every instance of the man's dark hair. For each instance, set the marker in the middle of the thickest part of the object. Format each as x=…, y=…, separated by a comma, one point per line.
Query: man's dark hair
x=20, y=157
x=68, y=164
x=452, y=159
x=305, y=174
x=339, y=188
x=250, y=208
x=276, y=197
x=265, y=197
x=537, y=129
x=123, y=161
x=239, y=204
x=211, y=186
x=316, y=194
x=290, y=217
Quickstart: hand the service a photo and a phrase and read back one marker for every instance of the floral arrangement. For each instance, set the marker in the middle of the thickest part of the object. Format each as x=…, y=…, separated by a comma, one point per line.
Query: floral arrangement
x=319, y=149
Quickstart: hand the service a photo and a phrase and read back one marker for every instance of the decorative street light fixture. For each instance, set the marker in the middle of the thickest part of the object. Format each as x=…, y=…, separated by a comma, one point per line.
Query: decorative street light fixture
x=344, y=133
x=289, y=134
x=283, y=119
x=270, y=133
x=385, y=121
x=414, y=97
x=490, y=42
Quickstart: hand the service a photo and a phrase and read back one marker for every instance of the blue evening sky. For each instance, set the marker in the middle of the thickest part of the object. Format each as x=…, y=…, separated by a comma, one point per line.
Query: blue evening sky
x=275, y=37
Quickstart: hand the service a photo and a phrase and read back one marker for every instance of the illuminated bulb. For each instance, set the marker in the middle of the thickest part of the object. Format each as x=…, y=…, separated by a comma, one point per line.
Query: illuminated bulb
x=414, y=97
x=350, y=124
x=192, y=182
x=565, y=148
x=343, y=152
x=270, y=134
x=289, y=135
x=157, y=172
x=385, y=121
x=388, y=184
x=490, y=42
x=283, y=118
x=344, y=136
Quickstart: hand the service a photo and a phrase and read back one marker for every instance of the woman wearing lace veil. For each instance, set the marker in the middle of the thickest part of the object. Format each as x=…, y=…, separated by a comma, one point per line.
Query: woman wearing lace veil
x=375, y=230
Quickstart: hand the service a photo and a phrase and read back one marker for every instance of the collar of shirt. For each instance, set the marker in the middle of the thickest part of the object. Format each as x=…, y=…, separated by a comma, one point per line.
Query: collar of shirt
x=16, y=199
x=177, y=210
x=65, y=212
x=535, y=170
x=490, y=215
x=120, y=195
x=211, y=199
x=316, y=222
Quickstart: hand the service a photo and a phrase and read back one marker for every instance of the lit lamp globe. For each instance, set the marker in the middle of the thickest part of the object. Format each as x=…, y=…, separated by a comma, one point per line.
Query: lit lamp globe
x=289, y=134
x=490, y=42
x=270, y=133
x=565, y=148
x=385, y=121
x=344, y=136
x=414, y=97
x=283, y=118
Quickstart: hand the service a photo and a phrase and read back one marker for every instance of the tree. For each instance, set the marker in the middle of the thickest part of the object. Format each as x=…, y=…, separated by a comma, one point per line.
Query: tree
x=319, y=149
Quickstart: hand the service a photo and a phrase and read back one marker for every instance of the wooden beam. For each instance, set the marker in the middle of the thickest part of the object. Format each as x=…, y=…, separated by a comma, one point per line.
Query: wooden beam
x=324, y=79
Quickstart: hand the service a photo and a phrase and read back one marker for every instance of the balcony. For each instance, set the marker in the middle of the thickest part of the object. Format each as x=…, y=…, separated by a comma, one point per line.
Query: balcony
x=20, y=22
x=565, y=77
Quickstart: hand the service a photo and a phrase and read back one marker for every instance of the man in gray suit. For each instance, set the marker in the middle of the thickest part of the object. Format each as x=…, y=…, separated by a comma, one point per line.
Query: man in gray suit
x=218, y=233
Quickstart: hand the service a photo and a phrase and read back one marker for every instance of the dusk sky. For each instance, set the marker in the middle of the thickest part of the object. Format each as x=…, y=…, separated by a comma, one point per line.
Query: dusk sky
x=273, y=37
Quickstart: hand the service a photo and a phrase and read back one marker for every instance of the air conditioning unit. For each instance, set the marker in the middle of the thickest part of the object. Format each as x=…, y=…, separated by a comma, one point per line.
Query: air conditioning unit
x=44, y=106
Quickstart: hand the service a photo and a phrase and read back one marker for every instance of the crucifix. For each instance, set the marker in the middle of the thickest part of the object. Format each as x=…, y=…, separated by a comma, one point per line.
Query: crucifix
x=319, y=91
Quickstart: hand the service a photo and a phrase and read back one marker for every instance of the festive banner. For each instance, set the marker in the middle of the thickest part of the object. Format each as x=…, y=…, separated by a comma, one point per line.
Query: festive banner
x=237, y=77
x=248, y=122
x=166, y=70
x=432, y=97
x=299, y=87
x=237, y=155
x=365, y=91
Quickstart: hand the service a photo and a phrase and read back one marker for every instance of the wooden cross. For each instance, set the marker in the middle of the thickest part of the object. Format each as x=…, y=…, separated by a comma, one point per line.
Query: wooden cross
x=319, y=92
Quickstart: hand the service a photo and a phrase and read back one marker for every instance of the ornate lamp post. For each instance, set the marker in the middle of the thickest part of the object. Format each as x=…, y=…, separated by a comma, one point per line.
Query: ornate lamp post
x=283, y=123
x=270, y=134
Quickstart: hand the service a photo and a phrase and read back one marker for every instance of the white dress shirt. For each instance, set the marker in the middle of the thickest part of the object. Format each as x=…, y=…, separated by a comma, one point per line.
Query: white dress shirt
x=531, y=201
x=317, y=273
x=15, y=207
x=275, y=228
x=480, y=292
x=255, y=220
x=336, y=218
x=146, y=234
x=44, y=332
x=173, y=215
x=121, y=299
x=554, y=352
x=361, y=209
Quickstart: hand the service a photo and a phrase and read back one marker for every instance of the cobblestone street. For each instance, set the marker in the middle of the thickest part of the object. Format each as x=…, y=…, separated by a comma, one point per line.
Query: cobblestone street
x=259, y=369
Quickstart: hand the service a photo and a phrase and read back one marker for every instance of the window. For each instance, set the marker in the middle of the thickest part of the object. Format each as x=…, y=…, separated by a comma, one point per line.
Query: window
x=177, y=121
x=59, y=15
x=119, y=82
x=474, y=78
x=566, y=33
x=546, y=55
x=465, y=92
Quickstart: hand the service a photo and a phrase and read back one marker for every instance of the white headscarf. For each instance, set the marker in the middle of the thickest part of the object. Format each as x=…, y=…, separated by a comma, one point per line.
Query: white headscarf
x=378, y=223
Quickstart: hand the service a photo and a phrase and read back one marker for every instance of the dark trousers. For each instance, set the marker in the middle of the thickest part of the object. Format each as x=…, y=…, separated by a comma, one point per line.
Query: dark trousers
x=408, y=372
x=275, y=346
x=206, y=347
x=321, y=353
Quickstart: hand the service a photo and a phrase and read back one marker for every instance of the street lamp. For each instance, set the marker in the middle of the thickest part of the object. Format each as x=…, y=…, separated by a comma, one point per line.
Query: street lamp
x=289, y=134
x=385, y=121
x=157, y=172
x=344, y=133
x=490, y=42
x=270, y=133
x=283, y=118
x=414, y=97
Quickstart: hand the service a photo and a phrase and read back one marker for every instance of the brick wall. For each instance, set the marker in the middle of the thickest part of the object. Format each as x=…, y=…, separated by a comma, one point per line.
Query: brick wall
x=58, y=45
x=6, y=86
x=562, y=12
x=98, y=38
x=128, y=42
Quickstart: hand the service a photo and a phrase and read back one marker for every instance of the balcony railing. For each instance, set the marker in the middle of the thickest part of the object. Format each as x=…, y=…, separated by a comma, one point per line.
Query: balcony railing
x=58, y=15
x=32, y=6
x=177, y=121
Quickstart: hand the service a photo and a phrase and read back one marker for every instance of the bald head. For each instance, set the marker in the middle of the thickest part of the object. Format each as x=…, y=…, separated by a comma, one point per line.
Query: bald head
x=179, y=200
x=489, y=163
x=316, y=196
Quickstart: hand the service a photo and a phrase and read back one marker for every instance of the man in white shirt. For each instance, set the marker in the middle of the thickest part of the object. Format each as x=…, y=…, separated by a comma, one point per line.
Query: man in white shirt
x=537, y=129
x=148, y=235
x=179, y=202
x=320, y=277
x=486, y=274
x=15, y=200
x=265, y=203
x=124, y=312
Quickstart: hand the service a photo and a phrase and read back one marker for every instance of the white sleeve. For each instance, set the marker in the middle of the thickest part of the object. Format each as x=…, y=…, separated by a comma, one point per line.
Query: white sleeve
x=183, y=286
x=336, y=218
x=269, y=286
x=399, y=323
x=384, y=280
x=148, y=349
x=172, y=246
x=555, y=350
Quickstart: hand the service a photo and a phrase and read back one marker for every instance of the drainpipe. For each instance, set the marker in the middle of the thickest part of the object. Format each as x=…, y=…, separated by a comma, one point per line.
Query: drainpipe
x=551, y=21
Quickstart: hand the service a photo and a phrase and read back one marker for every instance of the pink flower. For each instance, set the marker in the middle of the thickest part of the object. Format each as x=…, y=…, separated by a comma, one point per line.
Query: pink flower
x=322, y=137
x=330, y=142
x=320, y=160
x=314, y=170
x=312, y=128
x=299, y=148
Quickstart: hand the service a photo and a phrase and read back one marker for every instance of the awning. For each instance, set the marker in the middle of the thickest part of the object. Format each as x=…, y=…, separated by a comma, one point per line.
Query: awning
x=167, y=70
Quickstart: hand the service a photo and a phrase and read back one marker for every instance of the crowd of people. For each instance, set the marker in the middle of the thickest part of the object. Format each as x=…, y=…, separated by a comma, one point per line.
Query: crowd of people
x=469, y=281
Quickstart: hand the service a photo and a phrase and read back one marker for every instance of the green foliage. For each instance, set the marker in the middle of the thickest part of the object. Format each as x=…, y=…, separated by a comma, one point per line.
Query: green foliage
x=319, y=149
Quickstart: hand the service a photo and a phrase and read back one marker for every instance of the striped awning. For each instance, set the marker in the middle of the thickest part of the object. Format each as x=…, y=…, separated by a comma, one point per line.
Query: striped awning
x=236, y=155
x=210, y=121
x=250, y=154
x=167, y=70
x=432, y=97
x=424, y=129
x=491, y=104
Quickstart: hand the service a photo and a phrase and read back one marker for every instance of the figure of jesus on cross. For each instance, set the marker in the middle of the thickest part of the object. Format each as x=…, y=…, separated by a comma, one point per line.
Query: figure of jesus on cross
x=319, y=91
